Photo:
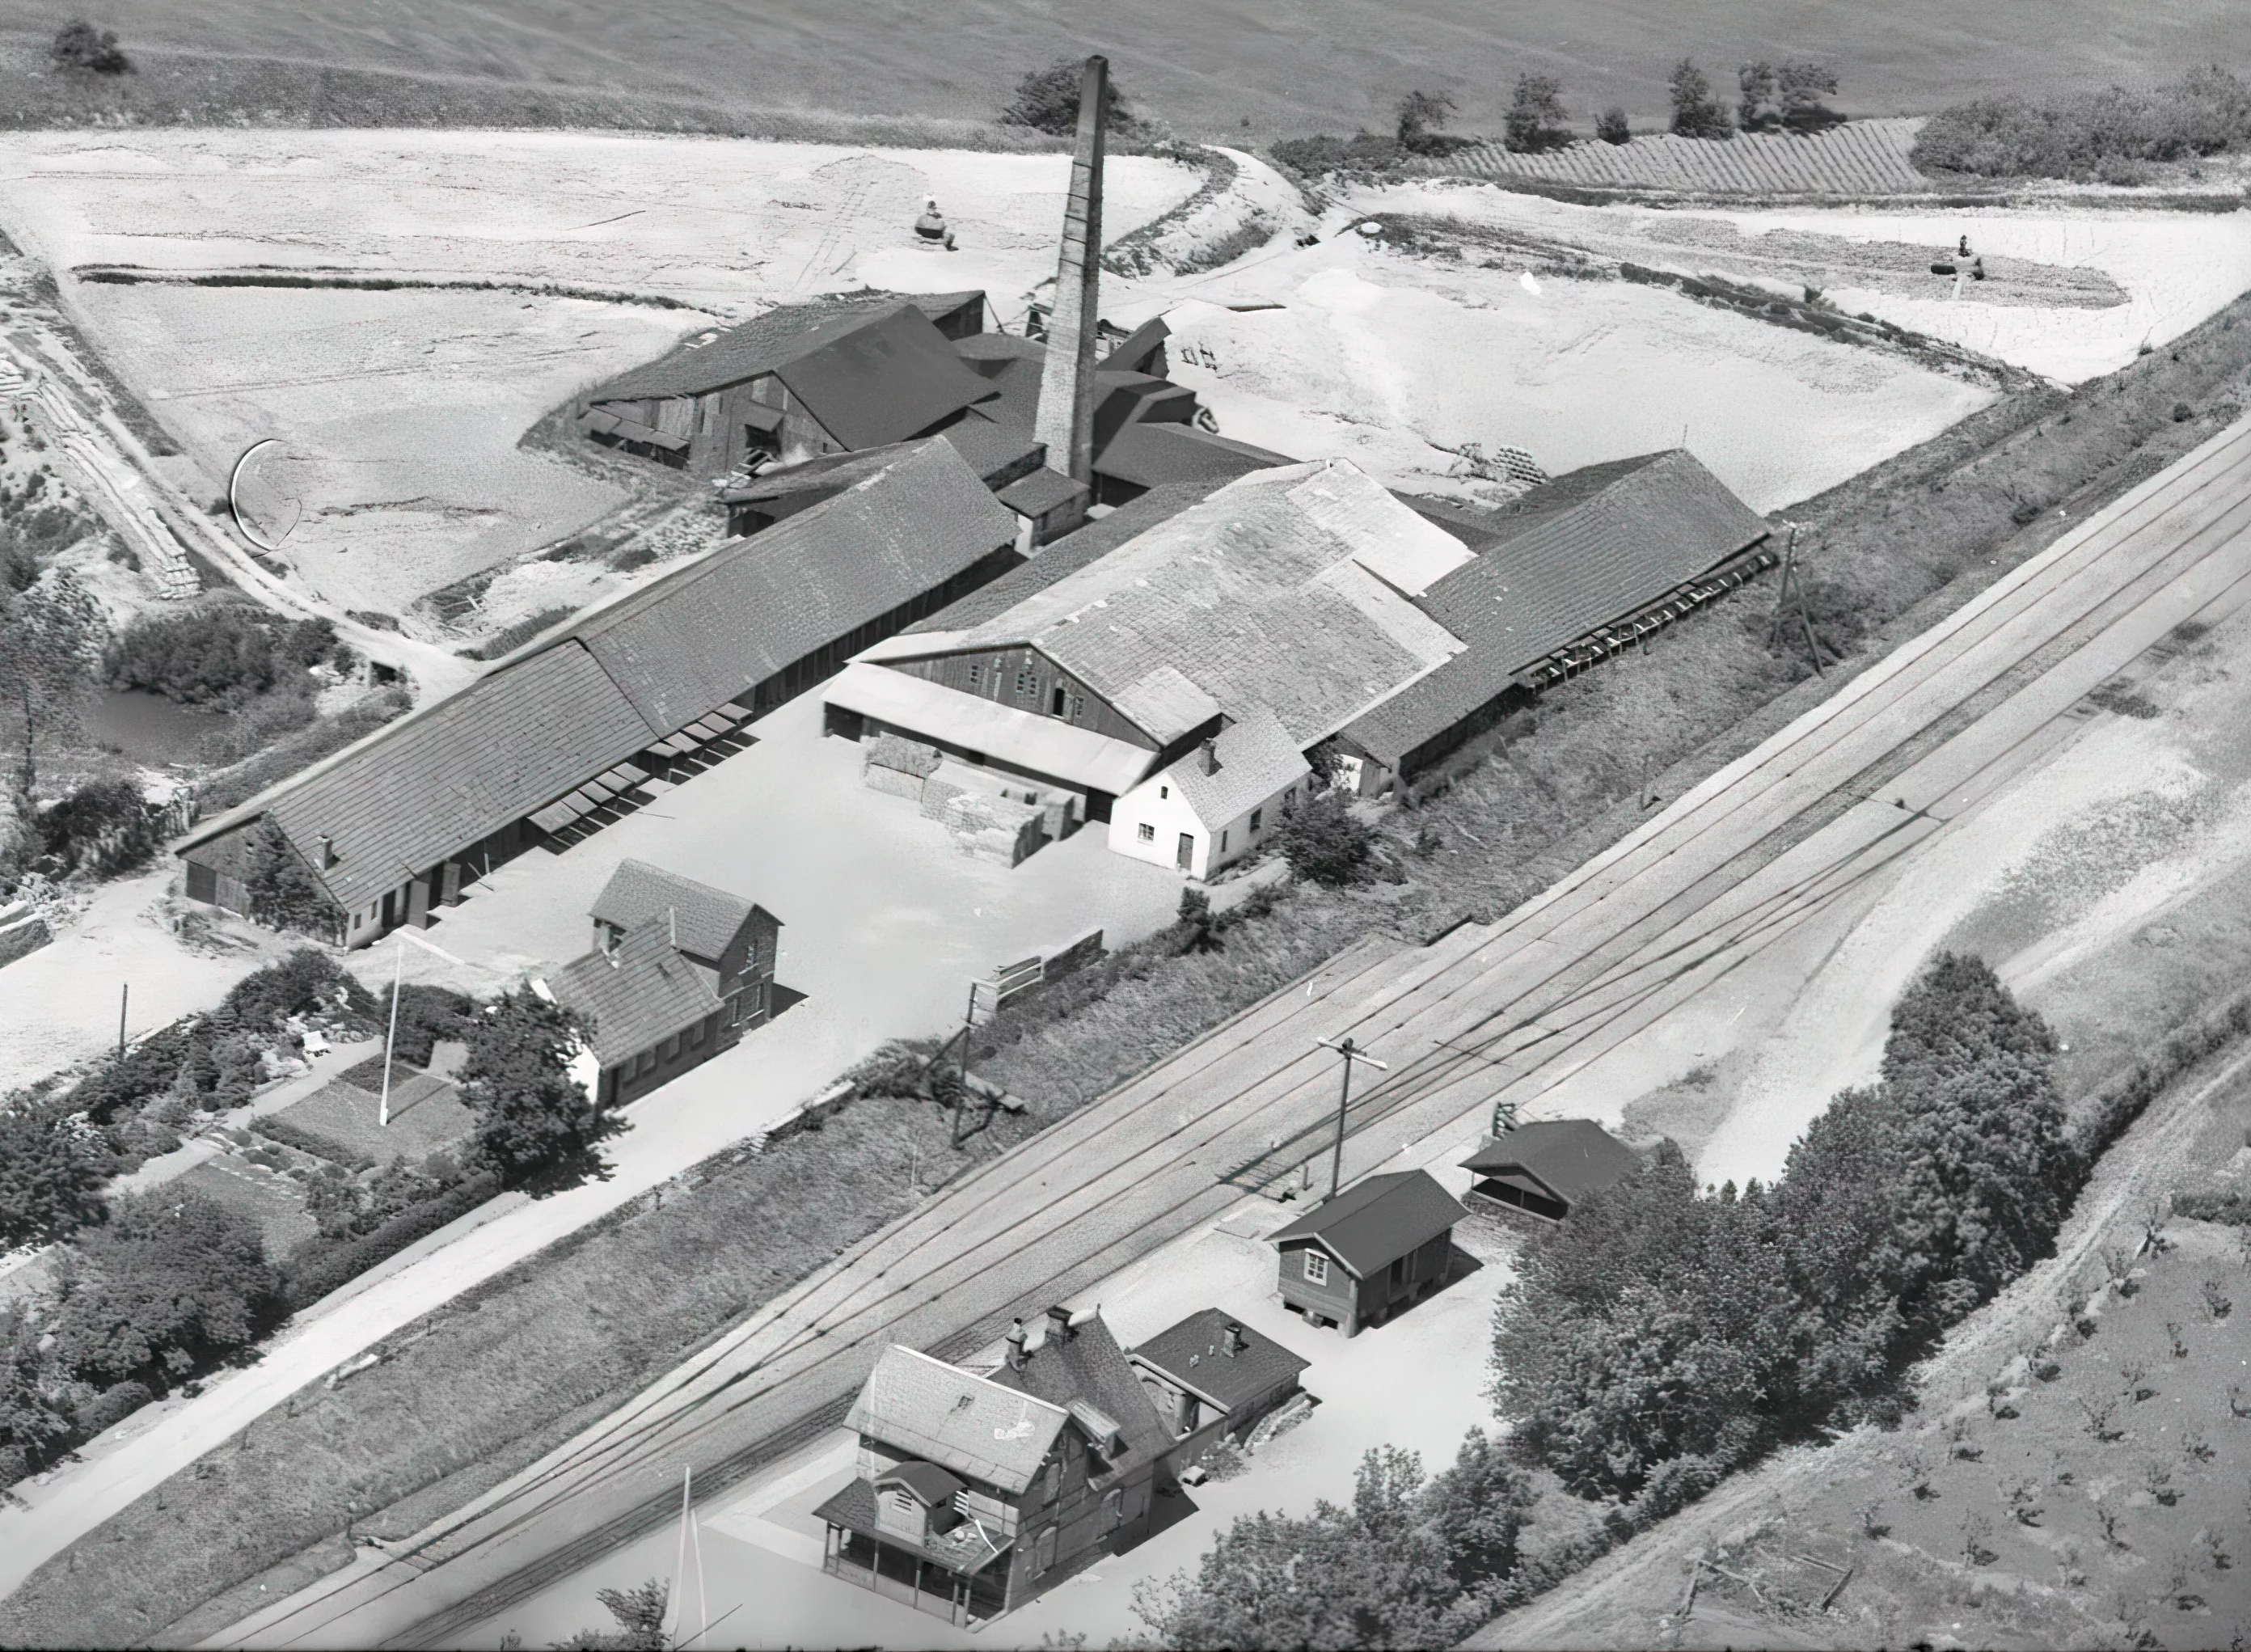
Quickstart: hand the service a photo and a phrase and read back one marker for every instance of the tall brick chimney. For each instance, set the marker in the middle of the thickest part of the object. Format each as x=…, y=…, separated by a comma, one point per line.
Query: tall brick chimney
x=1065, y=421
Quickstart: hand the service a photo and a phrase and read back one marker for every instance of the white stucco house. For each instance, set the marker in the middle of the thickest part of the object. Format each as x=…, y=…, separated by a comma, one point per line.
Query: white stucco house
x=1219, y=803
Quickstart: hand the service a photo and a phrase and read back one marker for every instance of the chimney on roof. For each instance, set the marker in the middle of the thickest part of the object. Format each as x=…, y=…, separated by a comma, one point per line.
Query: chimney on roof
x=1231, y=1340
x=1015, y=1344
x=1058, y=1326
x=1207, y=757
x=326, y=847
x=1065, y=418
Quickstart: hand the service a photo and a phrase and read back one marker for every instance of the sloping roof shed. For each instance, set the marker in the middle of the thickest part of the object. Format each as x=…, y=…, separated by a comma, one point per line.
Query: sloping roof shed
x=1570, y=1157
x=764, y=343
x=1376, y=1221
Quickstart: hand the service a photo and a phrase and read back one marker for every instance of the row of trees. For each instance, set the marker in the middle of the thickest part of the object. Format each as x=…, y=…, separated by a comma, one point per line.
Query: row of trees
x=2113, y=134
x=1662, y=1337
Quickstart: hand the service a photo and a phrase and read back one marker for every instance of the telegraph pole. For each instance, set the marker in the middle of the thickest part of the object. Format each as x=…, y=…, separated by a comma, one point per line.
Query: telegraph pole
x=124, y=997
x=398, y=968
x=1351, y=1052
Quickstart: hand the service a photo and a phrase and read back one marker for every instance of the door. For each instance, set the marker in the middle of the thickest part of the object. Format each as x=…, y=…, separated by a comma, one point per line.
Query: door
x=1184, y=857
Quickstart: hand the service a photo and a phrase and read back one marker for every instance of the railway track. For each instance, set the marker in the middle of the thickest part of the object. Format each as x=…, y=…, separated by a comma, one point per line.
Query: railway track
x=1501, y=1012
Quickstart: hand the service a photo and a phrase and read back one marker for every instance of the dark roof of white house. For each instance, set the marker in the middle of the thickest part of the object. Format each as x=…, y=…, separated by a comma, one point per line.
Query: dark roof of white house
x=705, y=920
x=1255, y=759
x=1572, y=1158
x=1589, y=547
x=637, y=995
x=1377, y=1220
x=765, y=342
x=700, y=635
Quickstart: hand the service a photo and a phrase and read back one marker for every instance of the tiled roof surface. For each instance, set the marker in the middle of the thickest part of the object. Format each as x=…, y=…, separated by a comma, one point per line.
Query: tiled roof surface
x=1572, y=1156
x=1231, y=1380
x=1374, y=1222
x=890, y=378
x=1089, y=1367
x=1149, y=454
x=706, y=919
x=1065, y=556
x=428, y=786
x=977, y=1428
x=1042, y=491
x=761, y=344
x=699, y=636
x=992, y=449
x=1250, y=598
x=1164, y=704
x=1586, y=549
x=637, y=996
x=1256, y=758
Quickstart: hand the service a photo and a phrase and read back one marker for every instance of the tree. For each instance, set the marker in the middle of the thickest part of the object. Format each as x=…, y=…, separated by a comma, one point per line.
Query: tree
x=1611, y=127
x=1325, y=840
x=51, y=1168
x=282, y=891
x=33, y=1420
x=1536, y=119
x=1696, y=112
x=1803, y=90
x=47, y=636
x=79, y=45
x=531, y=1114
x=1477, y=1509
x=1047, y=100
x=639, y=1614
x=1421, y=115
x=171, y=1281
x=1759, y=101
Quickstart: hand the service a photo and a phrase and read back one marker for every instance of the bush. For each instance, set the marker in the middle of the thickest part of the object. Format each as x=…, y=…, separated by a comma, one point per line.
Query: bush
x=112, y=1405
x=51, y=1168
x=1696, y=112
x=282, y=891
x=1047, y=100
x=102, y=827
x=321, y=1265
x=2108, y=134
x=222, y=656
x=1325, y=840
x=1610, y=126
x=79, y=45
x=170, y=1282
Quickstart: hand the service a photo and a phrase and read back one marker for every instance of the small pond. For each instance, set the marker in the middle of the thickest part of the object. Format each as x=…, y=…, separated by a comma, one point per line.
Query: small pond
x=150, y=728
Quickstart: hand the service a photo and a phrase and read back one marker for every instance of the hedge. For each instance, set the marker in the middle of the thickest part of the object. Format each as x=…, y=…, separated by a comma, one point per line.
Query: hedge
x=322, y=1264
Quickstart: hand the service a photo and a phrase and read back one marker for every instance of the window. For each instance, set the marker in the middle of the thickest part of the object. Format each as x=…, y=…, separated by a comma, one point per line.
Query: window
x=1053, y=1482
x=1148, y=833
x=976, y=677
x=1024, y=683
x=1057, y=701
x=1077, y=707
x=1317, y=1268
x=1164, y=791
x=1258, y=818
x=670, y=1048
x=697, y=1033
x=1222, y=843
x=1398, y=1273
x=1112, y=1510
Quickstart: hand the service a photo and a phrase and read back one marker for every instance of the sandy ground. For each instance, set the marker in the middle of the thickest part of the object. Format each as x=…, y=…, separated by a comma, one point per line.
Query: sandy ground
x=2115, y=855
x=398, y=412
x=59, y=1005
x=762, y=1547
x=1391, y=361
x=2070, y=294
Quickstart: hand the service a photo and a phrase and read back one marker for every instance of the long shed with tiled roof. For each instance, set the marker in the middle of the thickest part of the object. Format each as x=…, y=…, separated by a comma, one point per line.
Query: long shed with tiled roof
x=381, y=832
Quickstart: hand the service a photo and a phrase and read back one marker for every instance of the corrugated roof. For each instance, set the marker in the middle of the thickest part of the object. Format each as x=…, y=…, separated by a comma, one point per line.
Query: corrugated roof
x=700, y=635
x=425, y=786
x=1572, y=1158
x=1065, y=556
x=943, y=1415
x=1586, y=549
x=1149, y=454
x=1192, y=1354
x=706, y=919
x=637, y=995
x=1249, y=597
x=892, y=376
x=763, y=344
x=1256, y=758
x=1374, y=1222
x=1042, y=745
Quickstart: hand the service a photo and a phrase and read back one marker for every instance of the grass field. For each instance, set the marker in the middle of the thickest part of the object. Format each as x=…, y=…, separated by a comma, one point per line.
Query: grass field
x=427, y=1117
x=1207, y=69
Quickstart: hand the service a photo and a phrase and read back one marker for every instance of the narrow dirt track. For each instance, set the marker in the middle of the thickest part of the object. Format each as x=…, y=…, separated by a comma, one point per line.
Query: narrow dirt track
x=1496, y=1012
